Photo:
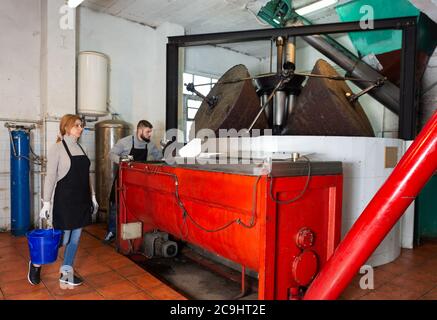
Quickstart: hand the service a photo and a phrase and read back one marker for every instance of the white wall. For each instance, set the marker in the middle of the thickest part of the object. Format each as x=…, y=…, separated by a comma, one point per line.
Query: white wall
x=38, y=76
x=58, y=60
x=138, y=59
x=20, y=38
x=215, y=61
x=37, y=82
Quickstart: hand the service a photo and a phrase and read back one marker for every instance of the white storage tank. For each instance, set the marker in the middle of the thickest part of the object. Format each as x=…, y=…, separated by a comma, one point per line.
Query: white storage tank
x=92, y=83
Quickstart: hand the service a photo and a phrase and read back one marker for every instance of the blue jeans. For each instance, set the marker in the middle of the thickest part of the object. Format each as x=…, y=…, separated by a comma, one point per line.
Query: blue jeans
x=71, y=242
x=112, y=218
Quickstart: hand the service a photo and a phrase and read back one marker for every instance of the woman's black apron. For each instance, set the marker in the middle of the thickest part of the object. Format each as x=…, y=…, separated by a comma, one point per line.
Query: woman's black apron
x=138, y=155
x=72, y=205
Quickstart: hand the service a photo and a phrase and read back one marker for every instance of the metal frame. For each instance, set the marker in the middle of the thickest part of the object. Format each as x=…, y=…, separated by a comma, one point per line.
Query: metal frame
x=408, y=98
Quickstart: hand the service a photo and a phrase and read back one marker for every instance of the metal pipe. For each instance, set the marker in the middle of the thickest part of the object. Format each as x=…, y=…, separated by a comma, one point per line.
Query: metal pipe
x=280, y=53
x=279, y=105
x=388, y=94
x=291, y=50
x=268, y=110
x=411, y=174
x=291, y=103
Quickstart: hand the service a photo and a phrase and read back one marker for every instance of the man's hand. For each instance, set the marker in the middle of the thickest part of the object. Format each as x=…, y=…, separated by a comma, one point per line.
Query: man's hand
x=95, y=204
x=126, y=158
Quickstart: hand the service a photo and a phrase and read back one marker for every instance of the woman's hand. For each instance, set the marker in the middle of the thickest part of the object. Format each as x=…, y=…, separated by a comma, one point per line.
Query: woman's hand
x=95, y=204
x=45, y=210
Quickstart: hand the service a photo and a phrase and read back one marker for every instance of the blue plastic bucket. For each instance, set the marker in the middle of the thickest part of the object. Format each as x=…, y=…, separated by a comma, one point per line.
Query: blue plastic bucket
x=43, y=245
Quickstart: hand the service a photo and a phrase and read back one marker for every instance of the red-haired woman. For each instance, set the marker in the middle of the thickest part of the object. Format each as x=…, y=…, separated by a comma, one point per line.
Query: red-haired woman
x=74, y=199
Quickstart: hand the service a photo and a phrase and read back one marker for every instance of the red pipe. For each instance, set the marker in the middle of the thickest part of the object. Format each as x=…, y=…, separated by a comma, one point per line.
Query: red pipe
x=411, y=174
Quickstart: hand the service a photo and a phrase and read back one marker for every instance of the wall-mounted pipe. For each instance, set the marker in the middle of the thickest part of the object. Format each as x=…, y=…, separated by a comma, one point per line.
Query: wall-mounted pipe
x=39, y=122
x=409, y=177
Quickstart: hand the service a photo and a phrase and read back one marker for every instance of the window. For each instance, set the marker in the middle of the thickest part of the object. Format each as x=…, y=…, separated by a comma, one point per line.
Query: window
x=191, y=101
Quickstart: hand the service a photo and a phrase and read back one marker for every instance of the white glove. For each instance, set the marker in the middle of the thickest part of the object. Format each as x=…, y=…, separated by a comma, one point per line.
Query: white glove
x=45, y=210
x=95, y=204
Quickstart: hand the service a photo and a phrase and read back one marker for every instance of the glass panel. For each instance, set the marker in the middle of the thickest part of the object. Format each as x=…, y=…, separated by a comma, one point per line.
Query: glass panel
x=192, y=113
x=195, y=104
x=187, y=78
x=202, y=80
x=189, y=123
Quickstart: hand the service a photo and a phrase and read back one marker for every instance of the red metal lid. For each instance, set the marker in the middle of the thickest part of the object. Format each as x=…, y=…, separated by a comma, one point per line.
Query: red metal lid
x=305, y=267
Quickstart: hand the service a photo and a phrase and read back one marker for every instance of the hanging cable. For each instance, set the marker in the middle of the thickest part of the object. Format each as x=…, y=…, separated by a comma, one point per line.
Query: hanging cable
x=304, y=190
x=36, y=160
x=185, y=213
x=335, y=78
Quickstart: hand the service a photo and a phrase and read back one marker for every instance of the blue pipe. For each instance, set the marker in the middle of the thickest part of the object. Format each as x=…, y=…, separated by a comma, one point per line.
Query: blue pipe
x=20, y=182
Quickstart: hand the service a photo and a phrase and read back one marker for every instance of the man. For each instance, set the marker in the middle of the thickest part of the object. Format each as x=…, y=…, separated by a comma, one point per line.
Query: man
x=140, y=148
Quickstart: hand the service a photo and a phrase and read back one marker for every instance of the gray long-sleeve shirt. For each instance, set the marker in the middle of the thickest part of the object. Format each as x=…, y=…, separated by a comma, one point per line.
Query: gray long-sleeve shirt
x=124, y=145
x=58, y=164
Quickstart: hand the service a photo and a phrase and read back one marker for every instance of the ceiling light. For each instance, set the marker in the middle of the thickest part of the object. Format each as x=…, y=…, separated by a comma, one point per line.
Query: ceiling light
x=74, y=3
x=315, y=6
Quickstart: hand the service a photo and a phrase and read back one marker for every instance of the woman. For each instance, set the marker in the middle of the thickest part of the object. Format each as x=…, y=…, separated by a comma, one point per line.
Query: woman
x=74, y=198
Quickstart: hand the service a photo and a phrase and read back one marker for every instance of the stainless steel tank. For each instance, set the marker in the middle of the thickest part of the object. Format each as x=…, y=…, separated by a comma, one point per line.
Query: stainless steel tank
x=107, y=132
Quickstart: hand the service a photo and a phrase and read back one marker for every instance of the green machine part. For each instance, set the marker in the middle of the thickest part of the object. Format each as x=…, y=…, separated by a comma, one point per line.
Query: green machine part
x=381, y=41
x=277, y=13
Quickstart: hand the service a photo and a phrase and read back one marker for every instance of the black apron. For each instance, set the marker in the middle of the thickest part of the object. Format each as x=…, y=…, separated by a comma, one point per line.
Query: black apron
x=139, y=155
x=72, y=205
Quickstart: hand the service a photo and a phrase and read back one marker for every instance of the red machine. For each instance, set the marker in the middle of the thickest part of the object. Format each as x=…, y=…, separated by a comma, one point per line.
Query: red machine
x=284, y=225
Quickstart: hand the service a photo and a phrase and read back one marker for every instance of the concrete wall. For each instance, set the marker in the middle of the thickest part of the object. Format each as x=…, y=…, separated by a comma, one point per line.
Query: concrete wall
x=20, y=36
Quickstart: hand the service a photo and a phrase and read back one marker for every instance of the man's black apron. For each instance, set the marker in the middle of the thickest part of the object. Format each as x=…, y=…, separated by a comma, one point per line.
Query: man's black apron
x=138, y=155
x=72, y=205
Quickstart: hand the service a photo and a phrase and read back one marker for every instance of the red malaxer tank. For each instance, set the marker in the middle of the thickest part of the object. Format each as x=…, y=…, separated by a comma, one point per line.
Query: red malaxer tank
x=283, y=225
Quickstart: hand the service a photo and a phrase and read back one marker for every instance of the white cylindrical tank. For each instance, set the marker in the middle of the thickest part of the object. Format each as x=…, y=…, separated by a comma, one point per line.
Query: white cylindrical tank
x=92, y=83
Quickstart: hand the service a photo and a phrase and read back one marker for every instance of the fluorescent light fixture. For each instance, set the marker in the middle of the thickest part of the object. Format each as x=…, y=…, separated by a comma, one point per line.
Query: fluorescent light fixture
x=74, y=3
x=315, y=6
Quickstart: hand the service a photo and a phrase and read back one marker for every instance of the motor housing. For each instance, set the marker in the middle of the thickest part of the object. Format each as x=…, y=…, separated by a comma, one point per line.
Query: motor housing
x=157, y=244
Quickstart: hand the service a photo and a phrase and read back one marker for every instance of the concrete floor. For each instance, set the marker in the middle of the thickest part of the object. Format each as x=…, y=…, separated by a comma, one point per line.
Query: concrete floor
x=109, y=275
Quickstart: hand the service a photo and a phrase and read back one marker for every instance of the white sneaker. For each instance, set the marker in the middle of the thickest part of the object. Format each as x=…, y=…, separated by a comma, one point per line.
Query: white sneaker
x=109, y=238
x=69, y=280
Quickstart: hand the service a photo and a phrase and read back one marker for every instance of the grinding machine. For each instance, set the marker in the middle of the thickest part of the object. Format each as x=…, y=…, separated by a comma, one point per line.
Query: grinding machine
x=277, y=214
x=279, y=218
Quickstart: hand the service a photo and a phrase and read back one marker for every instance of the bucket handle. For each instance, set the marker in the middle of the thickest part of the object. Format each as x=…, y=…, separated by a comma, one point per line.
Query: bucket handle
x=47, y=226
